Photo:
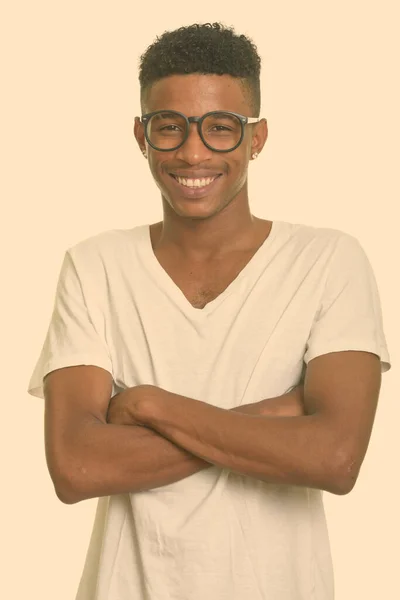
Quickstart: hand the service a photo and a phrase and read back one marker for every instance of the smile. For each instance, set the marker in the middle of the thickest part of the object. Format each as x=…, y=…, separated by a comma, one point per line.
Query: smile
x=195, y=188
x=195, y=183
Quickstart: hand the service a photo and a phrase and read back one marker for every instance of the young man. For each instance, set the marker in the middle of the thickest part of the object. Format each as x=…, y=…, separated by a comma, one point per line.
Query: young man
x=208, y=375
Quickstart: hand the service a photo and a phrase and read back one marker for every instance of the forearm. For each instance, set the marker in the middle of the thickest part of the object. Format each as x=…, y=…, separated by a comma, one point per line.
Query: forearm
x=299, y=450
x=118, y=457
x=121, y=457
x=106, y=459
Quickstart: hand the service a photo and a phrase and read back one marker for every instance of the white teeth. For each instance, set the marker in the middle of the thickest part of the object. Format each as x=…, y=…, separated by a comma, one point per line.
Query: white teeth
x=195, y=182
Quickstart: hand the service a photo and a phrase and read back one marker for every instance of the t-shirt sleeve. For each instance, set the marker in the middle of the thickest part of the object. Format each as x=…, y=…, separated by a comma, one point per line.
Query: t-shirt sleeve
x=71, y=338
x=350, y=315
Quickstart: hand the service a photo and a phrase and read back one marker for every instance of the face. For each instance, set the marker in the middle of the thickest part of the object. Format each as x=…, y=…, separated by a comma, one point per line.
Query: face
x=194, y=95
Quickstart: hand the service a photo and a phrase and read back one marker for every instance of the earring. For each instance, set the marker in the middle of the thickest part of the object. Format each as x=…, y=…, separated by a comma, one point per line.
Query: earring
x=144, y=153
x=254, y=155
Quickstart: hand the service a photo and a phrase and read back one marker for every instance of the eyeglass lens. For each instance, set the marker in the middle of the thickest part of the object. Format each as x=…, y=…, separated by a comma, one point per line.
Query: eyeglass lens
x=221, y=131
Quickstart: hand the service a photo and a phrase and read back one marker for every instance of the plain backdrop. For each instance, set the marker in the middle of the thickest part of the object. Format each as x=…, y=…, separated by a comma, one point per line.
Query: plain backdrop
x=71, y=168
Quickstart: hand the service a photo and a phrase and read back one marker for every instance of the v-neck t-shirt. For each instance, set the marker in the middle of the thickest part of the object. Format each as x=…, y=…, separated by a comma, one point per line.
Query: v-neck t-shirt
x=216, y=534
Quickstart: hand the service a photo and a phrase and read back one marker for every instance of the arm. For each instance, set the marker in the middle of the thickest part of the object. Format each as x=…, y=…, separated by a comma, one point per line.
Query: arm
x=323, y=449
x=88, y=457
x=287, y=405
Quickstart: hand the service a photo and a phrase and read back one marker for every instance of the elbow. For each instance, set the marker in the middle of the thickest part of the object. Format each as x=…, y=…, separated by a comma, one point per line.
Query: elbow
x=340, y=486
x=65, y=491
x=343, y=474
x=65, y=486
x=65, y=498
x=66, y=494
x=65, y=463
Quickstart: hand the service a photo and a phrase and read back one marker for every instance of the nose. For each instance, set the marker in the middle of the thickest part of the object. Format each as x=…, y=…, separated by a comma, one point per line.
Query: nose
x=194, y=151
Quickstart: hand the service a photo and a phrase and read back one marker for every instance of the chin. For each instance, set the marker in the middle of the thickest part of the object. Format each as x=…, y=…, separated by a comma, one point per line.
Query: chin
x=197, y=211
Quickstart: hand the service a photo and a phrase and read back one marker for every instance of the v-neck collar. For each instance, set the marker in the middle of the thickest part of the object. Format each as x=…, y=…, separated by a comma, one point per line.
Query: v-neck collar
x=174, y=290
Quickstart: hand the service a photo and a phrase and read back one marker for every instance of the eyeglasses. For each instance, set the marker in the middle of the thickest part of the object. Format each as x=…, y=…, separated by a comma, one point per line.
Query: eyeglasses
x=220, y=131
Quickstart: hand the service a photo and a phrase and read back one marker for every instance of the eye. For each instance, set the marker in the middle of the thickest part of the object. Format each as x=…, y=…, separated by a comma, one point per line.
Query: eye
x=169, y=128
x=221, y=128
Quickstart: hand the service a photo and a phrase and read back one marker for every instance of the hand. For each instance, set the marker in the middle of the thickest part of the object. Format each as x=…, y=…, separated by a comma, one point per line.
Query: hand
x=118, y=410
x=125, y=408
x=287, y=405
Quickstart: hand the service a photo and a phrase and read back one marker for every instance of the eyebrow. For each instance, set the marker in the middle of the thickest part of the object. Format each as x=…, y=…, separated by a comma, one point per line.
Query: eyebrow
x=165, y=114
x=222, y=115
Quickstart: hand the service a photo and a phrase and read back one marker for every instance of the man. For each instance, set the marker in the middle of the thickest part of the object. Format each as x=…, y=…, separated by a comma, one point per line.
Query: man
x=207, y=376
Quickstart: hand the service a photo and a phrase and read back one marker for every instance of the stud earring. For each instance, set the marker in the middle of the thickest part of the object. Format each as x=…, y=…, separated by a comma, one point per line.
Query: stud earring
x=254, y=155
x=144, y=153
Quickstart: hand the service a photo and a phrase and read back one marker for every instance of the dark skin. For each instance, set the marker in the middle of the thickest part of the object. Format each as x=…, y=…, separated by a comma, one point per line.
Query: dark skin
x=94, y=445
x=141, y=439
x=220, y=222
x=208, y=229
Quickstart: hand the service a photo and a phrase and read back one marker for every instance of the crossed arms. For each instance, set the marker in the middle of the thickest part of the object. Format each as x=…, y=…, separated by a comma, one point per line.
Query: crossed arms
x=146, y=437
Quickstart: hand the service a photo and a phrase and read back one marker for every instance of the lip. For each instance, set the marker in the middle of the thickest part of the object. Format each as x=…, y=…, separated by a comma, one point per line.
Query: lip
x=196, y=192
x=195, y=174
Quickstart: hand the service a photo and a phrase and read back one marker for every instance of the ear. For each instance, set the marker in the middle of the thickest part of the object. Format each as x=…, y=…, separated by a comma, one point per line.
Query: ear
x=260, y=135
x=138, y=130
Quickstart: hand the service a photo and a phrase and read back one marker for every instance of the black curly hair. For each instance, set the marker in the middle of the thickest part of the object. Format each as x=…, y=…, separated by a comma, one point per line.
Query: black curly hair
x=211, y=48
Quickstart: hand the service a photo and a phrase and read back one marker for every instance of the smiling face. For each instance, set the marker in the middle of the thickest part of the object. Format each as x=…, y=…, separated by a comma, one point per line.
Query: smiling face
x=222, y=175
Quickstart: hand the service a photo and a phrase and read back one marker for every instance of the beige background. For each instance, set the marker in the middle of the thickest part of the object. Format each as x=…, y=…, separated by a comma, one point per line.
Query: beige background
x=72, y=169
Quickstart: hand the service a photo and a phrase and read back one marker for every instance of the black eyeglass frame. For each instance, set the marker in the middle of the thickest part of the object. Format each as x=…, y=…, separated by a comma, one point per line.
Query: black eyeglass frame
x=199, y=120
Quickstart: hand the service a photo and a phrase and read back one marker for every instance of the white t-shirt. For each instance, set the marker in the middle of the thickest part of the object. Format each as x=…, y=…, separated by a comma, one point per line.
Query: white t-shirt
x=215, y=535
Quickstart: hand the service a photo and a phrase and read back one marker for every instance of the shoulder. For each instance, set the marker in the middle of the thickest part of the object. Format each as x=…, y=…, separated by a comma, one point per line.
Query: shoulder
x=326, y=241
x=307, y=233
x=105, y=247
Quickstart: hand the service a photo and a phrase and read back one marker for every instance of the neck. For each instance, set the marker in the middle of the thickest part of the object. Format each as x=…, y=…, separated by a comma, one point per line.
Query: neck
x=204, y=238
